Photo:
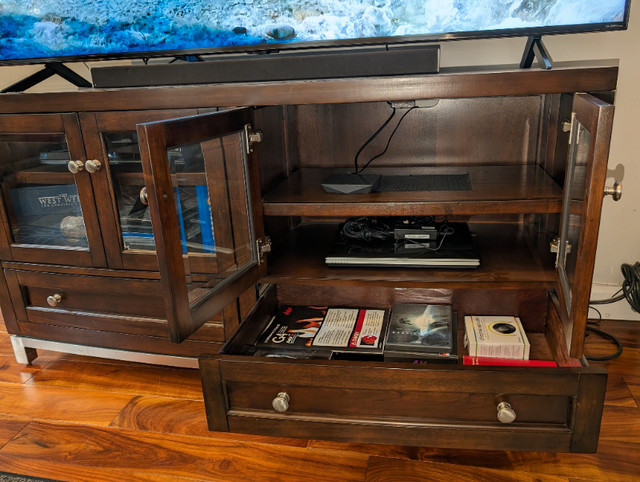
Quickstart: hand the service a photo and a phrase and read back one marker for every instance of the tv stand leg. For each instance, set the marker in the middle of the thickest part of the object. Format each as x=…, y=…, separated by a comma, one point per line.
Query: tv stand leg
x=23, y=354
x=536, y=49
x=55, y=68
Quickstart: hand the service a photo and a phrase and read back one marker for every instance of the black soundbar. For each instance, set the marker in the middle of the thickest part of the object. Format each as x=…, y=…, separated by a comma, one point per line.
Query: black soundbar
x=313, y=64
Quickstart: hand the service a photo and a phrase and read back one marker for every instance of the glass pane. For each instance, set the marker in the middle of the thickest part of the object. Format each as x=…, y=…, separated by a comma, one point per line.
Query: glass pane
x=213, y=212
x=128, y=185
x=574, y=199
x=39, y=192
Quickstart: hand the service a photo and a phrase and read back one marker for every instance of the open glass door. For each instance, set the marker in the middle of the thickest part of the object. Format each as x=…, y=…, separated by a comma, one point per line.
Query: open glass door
x=591, y=124
x=196, y=172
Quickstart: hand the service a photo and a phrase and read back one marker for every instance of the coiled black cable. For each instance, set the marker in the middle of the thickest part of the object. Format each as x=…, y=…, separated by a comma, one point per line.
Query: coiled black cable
x=630, y=288
x=607, y=336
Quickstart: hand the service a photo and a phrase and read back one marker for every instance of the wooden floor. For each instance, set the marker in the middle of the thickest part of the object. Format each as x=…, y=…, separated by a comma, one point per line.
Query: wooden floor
x=84, y=419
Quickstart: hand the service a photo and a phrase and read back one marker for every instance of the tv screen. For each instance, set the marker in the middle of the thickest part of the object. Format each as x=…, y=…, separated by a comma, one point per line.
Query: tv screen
x=34, y=31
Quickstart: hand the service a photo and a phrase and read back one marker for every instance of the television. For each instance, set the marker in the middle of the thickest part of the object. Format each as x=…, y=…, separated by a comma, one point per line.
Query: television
x=48, y=31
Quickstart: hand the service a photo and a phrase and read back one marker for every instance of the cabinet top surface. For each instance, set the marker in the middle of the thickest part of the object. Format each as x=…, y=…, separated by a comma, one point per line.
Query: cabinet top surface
x=449, y=83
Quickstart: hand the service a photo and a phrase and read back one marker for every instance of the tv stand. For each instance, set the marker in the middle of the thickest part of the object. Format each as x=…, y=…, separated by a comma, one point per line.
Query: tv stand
x=49, y=70
x=536, y=49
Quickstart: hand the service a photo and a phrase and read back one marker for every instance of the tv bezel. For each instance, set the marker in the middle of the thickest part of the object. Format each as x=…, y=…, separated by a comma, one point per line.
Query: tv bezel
x=275, y=47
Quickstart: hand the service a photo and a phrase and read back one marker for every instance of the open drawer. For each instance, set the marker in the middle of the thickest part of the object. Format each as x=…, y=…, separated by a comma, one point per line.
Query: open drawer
x=437, y=405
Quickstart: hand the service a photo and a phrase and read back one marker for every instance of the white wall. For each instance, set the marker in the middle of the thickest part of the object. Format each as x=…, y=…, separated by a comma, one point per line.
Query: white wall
x=619, y=240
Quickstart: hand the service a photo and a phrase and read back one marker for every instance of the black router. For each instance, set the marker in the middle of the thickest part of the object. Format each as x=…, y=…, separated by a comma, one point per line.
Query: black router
x=351, y=183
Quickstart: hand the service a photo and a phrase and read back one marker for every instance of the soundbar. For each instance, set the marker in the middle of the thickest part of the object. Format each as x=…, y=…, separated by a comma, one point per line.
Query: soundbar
x=282, y=66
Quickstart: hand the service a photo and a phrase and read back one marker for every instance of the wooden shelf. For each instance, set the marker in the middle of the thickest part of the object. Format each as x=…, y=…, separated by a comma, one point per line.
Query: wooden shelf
x=508, y=259
x=517, y=189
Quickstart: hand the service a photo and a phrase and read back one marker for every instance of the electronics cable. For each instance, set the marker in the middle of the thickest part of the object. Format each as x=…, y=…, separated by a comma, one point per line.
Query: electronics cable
x=375, y=134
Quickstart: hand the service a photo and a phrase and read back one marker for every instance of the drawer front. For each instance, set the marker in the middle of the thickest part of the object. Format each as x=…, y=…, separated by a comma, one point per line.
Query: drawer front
x=122, y=305
x=391, y=404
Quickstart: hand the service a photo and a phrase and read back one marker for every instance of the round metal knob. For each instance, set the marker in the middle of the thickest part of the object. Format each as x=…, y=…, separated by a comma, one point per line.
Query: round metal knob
x=54, y=299
x=75, y=166
x=144, y=197
x=93, y=166
x=281, y=402
x=615, y=192
x=506, y=414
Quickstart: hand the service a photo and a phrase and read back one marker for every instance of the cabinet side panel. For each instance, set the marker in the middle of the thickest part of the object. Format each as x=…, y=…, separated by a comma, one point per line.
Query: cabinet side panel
x=214, y=396
x=588, y=411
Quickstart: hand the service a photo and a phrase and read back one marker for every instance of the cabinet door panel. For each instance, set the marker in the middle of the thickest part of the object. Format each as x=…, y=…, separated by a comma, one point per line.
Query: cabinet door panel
x=582, y=202
x=124, y=215
x=47, y=205
x=200, y=196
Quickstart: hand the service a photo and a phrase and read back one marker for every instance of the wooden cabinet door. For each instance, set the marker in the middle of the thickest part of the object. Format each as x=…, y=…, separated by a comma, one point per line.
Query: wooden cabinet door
x=203, y=194
x=47, y=203
x=125, y=220
x=591, y=124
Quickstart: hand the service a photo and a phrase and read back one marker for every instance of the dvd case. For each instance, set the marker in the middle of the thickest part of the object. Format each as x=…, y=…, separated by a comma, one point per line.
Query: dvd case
x=421, y=328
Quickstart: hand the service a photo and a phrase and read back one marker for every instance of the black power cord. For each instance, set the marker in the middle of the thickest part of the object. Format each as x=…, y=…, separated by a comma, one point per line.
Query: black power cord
x=375, y=134
x=631, y=292
x=604, y=335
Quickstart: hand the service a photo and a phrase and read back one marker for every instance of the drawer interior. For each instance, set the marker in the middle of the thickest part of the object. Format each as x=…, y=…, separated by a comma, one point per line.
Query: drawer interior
x=535, y=308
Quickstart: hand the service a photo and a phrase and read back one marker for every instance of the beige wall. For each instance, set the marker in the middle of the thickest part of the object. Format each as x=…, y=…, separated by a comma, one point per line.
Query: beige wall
x=620, y=230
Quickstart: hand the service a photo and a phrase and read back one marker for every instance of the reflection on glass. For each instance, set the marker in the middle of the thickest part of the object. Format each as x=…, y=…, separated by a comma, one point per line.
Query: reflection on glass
x=39, y=192
x=213, y=211
x=128, y=185
x=193, y=205
x=573, y=205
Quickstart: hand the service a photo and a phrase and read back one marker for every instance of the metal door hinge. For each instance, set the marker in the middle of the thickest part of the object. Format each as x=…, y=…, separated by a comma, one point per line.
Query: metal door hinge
x=264, y=246
x=251, y=137
x=554, y=247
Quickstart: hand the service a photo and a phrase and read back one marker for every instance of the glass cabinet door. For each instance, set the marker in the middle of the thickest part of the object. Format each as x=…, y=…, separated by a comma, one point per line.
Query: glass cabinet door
x=48, y=203
x=200, y=197
x=124, y=211
x=585, y=175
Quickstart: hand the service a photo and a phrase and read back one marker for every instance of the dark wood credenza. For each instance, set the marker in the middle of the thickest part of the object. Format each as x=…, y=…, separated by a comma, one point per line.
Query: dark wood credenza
x=108, y=264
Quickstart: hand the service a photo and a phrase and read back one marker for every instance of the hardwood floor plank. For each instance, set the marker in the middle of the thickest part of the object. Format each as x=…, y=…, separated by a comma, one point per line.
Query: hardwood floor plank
x=9, y=429
x=621, y=424
x=28, y=402
x=131, y=378
x=14, y=372
x=625, y=365
x=66, y=472
x=615, y=460
x=181, y=417
x=618, y=393
x=383, y=469
x=150, y=454
x=633, y=384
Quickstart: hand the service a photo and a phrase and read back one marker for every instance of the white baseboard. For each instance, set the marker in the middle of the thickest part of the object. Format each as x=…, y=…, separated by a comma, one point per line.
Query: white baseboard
x=620, y=310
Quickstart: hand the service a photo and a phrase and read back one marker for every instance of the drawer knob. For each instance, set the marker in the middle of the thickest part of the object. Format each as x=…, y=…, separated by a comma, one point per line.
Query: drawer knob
x=93, y=166
x=506, y=414
x=54, y=299
x=75, y=166
x=281, y=402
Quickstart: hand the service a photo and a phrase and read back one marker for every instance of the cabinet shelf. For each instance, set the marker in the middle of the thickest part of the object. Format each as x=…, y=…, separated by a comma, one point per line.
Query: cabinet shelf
x=517, y=189
x=509, y=258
